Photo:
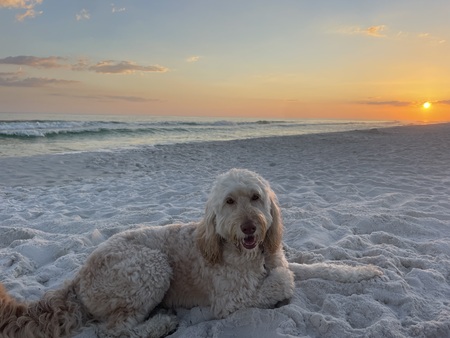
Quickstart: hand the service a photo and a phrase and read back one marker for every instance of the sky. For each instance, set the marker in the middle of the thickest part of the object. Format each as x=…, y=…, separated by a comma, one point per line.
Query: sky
x=331, y=59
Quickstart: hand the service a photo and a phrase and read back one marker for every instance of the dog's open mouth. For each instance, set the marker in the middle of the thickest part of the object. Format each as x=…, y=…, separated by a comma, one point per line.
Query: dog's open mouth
x=249, y=242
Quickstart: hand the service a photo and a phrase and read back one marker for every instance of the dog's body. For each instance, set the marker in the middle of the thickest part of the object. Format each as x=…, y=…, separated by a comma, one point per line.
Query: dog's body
x=156, y=274
x=231, y=259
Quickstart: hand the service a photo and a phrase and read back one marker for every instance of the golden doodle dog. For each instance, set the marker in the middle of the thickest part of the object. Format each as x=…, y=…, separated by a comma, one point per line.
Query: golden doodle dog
x=231, y=259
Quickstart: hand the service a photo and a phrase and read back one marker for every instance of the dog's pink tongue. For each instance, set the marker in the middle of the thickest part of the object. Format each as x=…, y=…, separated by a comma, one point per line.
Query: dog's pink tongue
x=249, y=242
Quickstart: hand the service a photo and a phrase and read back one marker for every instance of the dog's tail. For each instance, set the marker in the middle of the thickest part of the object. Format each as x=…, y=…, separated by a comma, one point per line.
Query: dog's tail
x=57, y=314
x=335, y=272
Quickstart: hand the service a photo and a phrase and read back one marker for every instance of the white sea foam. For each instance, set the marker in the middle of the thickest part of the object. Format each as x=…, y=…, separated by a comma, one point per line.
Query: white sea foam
x=376, y=197
x=93, y=133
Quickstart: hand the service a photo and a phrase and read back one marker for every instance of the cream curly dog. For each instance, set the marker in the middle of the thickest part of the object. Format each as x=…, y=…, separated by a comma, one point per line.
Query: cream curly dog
x=231, y=259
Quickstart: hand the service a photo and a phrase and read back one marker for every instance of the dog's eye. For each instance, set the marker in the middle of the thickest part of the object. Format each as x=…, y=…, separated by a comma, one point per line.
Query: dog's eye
x=255, y=197
x=229, y=200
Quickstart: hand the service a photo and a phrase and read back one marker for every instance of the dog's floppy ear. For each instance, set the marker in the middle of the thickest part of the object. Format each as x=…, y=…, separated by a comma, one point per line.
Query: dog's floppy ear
x=208, y=241
x=274, y=235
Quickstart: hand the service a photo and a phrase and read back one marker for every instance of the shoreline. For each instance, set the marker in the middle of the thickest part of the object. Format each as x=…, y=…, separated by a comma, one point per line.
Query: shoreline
x=84, y=162
x=28, y=138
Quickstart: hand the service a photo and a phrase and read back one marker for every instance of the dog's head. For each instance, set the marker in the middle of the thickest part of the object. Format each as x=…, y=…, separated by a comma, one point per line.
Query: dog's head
x=241, y=209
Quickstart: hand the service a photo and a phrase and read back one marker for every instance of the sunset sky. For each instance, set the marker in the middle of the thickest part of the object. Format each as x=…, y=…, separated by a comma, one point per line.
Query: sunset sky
x=238, y=58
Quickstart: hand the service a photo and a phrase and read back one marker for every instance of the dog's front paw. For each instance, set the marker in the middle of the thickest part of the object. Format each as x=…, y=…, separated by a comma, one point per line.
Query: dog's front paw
x=279, y=284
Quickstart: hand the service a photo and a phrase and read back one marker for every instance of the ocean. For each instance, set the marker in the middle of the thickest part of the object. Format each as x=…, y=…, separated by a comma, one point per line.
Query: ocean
x=39, y=134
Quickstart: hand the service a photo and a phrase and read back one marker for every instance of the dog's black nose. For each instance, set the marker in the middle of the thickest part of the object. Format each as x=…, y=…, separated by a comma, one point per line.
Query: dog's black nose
x=248, y=228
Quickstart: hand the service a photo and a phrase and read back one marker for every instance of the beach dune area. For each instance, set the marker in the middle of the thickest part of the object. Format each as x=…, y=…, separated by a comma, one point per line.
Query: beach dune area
x=376, y=197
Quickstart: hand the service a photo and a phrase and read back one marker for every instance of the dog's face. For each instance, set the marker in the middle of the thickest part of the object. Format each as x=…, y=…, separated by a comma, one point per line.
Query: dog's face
x=242, y=209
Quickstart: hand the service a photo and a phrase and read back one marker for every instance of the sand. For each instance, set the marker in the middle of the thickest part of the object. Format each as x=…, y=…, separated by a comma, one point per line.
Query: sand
x=377, y=197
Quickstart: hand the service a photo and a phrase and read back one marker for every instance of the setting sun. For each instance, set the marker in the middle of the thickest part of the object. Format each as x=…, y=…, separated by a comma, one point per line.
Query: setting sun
x=426, y=105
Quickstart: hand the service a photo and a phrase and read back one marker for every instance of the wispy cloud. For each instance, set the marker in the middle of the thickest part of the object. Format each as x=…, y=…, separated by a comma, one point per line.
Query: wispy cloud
x=82, y=64
x=18, y=79
x=136, y=99
x=27, y=5
x=194, y=58
x=83, y=15
x=382, y=31
x=15, y=81
x=129, y=98
x=36, y=62
x=431, y=39
x=374, y=31
x=395, y=103
x=117, y=9
x=9, y=74
x=124, y=67
x=447, y=102
x=392, y=103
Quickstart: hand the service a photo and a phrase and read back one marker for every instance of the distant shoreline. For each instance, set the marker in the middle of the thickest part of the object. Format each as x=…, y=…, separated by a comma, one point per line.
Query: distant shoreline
x=40, y=136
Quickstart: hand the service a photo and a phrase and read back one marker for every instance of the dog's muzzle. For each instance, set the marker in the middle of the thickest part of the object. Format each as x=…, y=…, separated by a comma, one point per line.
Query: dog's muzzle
x=248, y=228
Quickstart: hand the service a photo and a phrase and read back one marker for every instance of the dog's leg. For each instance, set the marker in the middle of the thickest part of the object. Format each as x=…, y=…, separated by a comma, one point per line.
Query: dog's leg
x=335, y=272
x=277, y=286
x=121, y=284
x=157, y=326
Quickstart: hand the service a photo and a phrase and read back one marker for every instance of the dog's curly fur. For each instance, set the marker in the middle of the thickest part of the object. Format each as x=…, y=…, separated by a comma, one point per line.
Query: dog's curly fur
x=231, y=259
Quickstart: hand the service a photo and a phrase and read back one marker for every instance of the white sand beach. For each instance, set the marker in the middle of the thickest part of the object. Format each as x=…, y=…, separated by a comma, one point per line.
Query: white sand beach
x=379, y=196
